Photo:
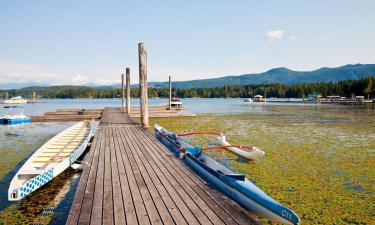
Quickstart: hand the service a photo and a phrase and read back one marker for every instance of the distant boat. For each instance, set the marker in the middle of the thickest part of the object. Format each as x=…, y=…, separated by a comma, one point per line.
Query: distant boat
x=176, y=103
x=15, y=118
x=258, y=98
x=248, y=100
x=15, y=100
x=51, y=159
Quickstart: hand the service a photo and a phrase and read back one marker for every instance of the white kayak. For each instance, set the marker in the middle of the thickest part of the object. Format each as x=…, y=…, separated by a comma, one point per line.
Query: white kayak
x=254, y=154
x=51, y=159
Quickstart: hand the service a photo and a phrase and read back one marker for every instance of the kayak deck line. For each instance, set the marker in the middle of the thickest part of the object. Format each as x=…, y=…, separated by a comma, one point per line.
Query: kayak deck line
x=131, y=178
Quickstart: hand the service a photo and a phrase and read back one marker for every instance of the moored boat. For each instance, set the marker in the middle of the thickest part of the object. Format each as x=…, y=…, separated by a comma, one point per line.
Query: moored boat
x=15, y=118
x=176, y=103
x=51, y=159
x=15, y=100
x=234, y=185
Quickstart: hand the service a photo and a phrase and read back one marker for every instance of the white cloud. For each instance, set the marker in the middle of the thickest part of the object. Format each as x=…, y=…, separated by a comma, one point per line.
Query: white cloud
x=11, y=72
x=104, y=81
x=79, y=79
x=273, y=35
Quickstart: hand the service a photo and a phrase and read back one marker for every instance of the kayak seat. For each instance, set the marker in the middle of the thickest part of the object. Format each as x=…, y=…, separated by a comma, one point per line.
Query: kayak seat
x=236, y=176
x=195, y=151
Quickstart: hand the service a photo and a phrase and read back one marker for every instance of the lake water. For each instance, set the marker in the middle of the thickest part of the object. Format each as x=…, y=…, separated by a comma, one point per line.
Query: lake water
x=319, y=158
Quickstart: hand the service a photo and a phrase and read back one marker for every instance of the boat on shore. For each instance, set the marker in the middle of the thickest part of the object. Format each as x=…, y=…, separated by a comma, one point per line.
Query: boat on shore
x=51, y=159
x=234, y=185
x=15, y=100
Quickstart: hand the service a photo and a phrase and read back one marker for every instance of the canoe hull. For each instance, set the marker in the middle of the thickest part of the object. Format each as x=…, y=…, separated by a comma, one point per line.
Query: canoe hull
x=17, y=192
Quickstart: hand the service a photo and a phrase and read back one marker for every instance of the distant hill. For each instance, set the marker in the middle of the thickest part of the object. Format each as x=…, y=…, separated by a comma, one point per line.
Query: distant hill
x=280, y=75
x=21, y=85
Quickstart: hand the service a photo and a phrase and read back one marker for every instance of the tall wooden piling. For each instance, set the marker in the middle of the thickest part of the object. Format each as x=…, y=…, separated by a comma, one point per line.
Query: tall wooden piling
x=170, y=93
x=123, y=92
x=127, y=90
x=142, y=53
x=34, y=97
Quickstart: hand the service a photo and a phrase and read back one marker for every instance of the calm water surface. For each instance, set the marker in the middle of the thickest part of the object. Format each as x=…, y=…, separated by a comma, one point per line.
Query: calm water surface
x=319, y=158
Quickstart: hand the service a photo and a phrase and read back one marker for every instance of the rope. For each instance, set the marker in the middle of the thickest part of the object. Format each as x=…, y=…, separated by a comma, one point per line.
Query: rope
x=199, y=132
x=228, y=146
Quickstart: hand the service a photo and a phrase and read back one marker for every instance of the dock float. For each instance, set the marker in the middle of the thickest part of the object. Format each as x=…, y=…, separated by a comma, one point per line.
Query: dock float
x=131, y=178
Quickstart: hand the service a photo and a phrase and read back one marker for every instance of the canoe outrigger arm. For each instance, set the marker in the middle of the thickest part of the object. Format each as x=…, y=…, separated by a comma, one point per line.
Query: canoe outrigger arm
x=254, y=153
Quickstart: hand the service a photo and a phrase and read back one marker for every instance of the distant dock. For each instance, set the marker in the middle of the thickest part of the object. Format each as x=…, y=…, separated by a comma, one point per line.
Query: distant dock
x=63, y=115
x=131, y=178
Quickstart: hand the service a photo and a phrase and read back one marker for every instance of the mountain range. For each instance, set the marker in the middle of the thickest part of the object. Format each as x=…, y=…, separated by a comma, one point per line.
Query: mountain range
x=281, y=75
x=277, y=75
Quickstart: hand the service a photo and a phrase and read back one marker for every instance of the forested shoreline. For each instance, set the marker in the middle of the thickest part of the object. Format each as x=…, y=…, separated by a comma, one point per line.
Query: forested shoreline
x=364, y=87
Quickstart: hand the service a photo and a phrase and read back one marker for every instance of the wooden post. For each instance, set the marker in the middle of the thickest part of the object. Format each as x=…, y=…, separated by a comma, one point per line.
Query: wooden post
x=128, y=90
x=34, y=96
x=142, y=53
x=123, y=93
x=170, y=93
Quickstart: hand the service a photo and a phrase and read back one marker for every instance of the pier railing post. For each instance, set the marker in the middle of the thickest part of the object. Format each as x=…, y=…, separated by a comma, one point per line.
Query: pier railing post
x=128, y=90
x=142, y=53
x=170, y=93
x=122, y=93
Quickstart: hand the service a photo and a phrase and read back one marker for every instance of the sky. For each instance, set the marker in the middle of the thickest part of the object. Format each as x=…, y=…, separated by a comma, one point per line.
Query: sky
x=89, y=41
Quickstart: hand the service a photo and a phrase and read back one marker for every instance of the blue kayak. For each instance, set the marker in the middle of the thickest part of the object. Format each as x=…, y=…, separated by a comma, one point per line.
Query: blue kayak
x=235, y=186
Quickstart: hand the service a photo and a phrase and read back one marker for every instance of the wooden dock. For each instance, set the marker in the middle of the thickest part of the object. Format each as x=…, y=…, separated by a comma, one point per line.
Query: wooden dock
x=131, y=178
x=61, y=115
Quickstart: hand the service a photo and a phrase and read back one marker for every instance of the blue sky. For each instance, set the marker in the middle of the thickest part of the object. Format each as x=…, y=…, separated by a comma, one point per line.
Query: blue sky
x=77, y=42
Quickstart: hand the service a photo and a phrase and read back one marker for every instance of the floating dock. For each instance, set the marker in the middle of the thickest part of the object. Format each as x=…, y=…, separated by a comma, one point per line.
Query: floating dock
x=131, y=178
x=62, y=115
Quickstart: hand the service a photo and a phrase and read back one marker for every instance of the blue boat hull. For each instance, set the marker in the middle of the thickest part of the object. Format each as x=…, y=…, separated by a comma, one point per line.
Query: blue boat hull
x=234, y=185
x=15, y=121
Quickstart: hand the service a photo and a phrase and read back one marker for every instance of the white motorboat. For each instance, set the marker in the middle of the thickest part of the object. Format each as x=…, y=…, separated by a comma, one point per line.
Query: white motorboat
x=15, y=100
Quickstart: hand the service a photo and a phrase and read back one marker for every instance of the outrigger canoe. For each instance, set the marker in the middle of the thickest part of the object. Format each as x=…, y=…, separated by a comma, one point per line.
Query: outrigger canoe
x=51, y=159
x=234, y=185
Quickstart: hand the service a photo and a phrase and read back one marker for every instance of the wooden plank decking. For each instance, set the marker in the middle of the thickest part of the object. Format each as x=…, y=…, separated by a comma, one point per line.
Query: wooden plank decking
x=131, y=178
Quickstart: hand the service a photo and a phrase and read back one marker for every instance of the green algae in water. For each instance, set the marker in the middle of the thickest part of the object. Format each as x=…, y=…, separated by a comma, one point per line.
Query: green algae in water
x=39, y=206
x=318, y=162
